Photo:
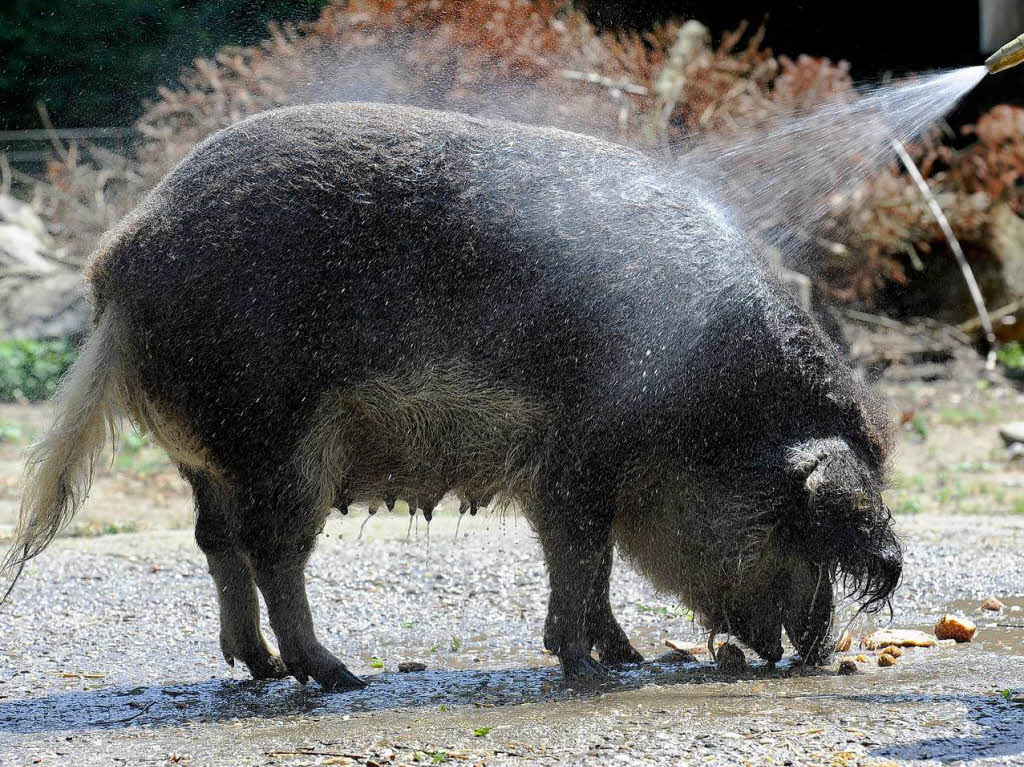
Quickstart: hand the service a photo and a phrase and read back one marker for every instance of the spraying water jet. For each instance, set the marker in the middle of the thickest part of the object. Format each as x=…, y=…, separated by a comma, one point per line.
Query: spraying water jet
x=1010, y=55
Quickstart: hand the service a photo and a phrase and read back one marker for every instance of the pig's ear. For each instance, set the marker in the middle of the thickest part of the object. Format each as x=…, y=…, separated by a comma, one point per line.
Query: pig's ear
x=815, y=460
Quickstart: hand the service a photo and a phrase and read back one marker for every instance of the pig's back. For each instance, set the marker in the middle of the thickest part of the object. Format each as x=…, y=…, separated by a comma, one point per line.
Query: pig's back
x=310, y=247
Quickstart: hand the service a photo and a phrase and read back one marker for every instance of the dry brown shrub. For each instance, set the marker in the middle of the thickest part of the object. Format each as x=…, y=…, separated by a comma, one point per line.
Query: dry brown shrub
x=887, y=225
x=86, y=189
x=994, y=164
x=471, y=56
x=512, y=58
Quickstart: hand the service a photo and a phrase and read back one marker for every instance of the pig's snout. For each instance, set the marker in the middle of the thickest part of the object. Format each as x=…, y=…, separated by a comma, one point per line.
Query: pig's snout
x=883, y=571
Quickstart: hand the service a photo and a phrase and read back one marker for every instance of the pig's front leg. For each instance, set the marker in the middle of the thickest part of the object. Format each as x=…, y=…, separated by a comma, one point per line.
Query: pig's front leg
x=609, y=639
x=573, y=522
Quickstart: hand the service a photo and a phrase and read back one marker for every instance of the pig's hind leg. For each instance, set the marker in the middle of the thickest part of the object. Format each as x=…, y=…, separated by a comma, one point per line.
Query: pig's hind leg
x=240, y=634
x=279, y=536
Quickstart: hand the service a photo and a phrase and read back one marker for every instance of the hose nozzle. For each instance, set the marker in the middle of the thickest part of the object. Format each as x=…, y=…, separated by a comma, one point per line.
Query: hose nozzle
x=1010, y=55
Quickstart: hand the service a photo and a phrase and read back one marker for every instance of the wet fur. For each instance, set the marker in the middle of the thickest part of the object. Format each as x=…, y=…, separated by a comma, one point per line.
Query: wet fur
x=420, y=435
x=326, y=304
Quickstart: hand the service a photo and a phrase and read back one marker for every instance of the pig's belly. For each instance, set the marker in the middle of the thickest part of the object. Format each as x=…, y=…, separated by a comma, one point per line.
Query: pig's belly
x=421, y=434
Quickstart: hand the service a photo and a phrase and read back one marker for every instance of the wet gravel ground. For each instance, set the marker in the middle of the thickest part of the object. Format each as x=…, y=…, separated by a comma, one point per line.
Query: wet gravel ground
x=109, y=655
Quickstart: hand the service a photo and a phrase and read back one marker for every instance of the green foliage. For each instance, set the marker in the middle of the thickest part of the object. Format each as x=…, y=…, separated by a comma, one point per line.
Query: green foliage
x=93, y=61
x=1011, y=357
x=970, y=415
x=434, y=757
x=481, y=732
x=138, y=455
x=96, y=529
x=133, y=442
x=10, y=433
x=919, y=426
x=907, y=506
x=31, y=370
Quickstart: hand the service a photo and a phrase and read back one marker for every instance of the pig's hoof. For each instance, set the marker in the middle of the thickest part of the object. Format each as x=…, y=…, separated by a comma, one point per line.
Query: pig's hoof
x=582, y=668
x=620, y=655
x=338, y=678
x=617, y=652
x=818, y=654
x=329, y=672
x=269, y=667
x=262, y=662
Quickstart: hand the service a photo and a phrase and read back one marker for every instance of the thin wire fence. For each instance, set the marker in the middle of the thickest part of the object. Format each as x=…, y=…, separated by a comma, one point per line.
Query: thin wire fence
x=30, y=150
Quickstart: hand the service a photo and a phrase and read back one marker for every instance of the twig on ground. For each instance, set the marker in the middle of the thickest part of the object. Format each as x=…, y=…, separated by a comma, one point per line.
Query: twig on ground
x=136, y=715
x=28, y=275
x=74, y=266
x=314, y=752
x=942, y=327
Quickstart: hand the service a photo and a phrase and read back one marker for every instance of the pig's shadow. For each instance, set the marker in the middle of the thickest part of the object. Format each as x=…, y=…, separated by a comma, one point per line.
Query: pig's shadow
x=221, y=700
x=998, y=729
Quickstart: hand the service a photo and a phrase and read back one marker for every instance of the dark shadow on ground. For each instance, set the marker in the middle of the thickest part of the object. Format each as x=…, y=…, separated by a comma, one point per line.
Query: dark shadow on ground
x=1001, y=724
x=213, y=701
x=1001, y=734
x=999, y=730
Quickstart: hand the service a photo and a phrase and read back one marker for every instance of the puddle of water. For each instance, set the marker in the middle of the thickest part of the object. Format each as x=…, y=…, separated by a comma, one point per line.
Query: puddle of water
x=1001, y=632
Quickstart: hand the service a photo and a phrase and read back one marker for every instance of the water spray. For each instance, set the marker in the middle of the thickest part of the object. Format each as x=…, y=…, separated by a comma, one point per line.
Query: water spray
x=1010, y=55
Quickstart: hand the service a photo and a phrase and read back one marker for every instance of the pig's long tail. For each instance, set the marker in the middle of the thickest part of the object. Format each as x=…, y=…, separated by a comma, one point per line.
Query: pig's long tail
x=60, y=465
